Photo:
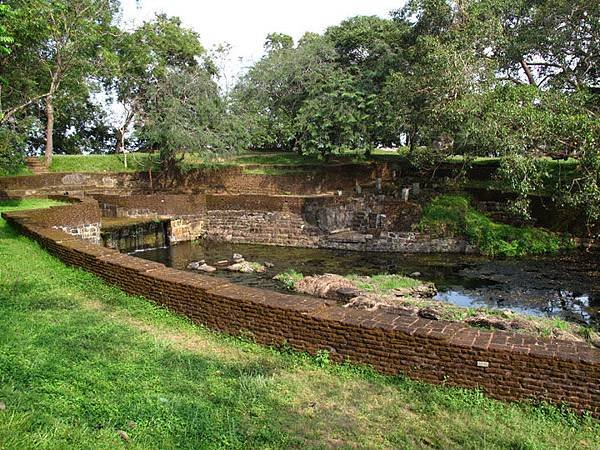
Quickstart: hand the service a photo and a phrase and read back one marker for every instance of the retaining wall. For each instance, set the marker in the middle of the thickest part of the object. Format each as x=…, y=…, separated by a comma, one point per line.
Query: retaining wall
x=151, y=205
x=505, y=365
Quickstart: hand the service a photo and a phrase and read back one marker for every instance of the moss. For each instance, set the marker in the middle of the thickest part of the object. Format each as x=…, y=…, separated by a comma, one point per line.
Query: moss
x=453, y=215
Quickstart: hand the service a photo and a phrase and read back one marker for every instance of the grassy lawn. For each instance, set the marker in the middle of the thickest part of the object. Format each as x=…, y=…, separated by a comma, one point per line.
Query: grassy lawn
x=271, y=162
x=80, y=361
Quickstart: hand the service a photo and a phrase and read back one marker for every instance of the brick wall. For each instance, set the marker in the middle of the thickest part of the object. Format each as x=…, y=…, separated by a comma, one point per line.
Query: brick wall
x=505, y=365
x=152, y=205
x=73, y=184
x=81, y=219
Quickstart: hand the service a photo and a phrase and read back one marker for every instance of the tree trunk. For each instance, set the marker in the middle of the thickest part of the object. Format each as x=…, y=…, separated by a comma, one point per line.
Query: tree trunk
x=120, y=135
x=49, y=129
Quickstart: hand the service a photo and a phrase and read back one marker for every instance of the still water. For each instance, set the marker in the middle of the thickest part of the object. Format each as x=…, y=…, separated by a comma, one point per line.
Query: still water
x=561, y=286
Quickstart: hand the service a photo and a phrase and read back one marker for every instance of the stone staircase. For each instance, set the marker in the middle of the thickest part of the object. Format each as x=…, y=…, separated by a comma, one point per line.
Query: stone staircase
x=36, y=165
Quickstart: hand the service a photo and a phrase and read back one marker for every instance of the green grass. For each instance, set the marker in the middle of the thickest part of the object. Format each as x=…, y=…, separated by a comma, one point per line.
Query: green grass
x=80, y=360
x=289, y=278
x=383, y=284
x=453, y=215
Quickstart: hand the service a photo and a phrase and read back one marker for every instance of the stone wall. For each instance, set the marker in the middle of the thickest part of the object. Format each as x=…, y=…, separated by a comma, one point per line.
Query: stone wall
x=89, y=232
x=155, y=205
x=401, y=242
x=81, y=219
x=72, y=184
x=258, y=227
x=505, y=365
x=186, y=229
x=132, y=236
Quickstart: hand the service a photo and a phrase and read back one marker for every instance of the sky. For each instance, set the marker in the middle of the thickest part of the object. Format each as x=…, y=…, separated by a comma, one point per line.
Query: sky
x=245, y=24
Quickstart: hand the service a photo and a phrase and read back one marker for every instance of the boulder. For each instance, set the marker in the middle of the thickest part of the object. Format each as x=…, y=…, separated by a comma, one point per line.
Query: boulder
x=327, y=286
x=246, y=267
x=206, y=268
x=347, y=293
x=427, y=290
x=195, y=265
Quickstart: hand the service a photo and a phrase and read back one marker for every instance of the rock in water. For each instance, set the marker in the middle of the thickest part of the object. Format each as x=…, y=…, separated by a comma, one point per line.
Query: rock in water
x=237, y=258
x=206, y=268
x=195, y=265
x=246, y=267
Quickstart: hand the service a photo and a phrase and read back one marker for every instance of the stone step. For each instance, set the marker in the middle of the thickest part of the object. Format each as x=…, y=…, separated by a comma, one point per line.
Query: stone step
x=36, y=166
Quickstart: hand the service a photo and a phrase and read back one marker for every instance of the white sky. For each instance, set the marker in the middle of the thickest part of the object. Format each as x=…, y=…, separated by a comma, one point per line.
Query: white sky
x=245, y=24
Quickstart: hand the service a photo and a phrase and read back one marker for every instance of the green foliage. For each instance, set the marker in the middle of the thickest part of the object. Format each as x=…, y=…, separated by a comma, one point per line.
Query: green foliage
x=11, y=153
x=289, y=278
x=5, y=38
x=452, y=215
x=183, y=114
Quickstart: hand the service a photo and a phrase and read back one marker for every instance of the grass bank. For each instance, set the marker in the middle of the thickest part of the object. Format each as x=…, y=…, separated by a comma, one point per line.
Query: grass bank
x=453, y=215
x=80, y=361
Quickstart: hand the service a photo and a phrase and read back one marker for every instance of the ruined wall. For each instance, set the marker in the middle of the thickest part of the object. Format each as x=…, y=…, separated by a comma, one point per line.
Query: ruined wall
x=140, y=235
x=154, y=205
x=258, y=227
x=186, y=229
x=315, y=180
x=73, y=184
x=401, y=242
x=505, y=365
x=81, y=219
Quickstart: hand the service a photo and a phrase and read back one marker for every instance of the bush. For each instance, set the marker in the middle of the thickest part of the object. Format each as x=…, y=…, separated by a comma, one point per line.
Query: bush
x=11, y=154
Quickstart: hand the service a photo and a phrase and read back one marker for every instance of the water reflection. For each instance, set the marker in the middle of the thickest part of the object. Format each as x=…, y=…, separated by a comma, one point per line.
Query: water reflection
x=566, y=286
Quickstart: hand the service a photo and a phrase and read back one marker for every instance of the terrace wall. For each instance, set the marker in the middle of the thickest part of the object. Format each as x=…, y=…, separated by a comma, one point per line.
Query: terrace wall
x=505, y=365
x=155, y=205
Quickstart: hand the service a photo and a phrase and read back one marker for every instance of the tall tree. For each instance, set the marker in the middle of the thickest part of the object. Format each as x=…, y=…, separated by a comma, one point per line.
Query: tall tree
x=143, y=59
x=62, y=43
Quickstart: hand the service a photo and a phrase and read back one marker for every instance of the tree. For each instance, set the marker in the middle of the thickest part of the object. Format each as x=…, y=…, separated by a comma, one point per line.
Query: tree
x=551, y=43
x=278, y=41
x=371, y=48
x=183, y=113
x=143, y=59
x=19, y=70
x=334, y=115
x=63, y=42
